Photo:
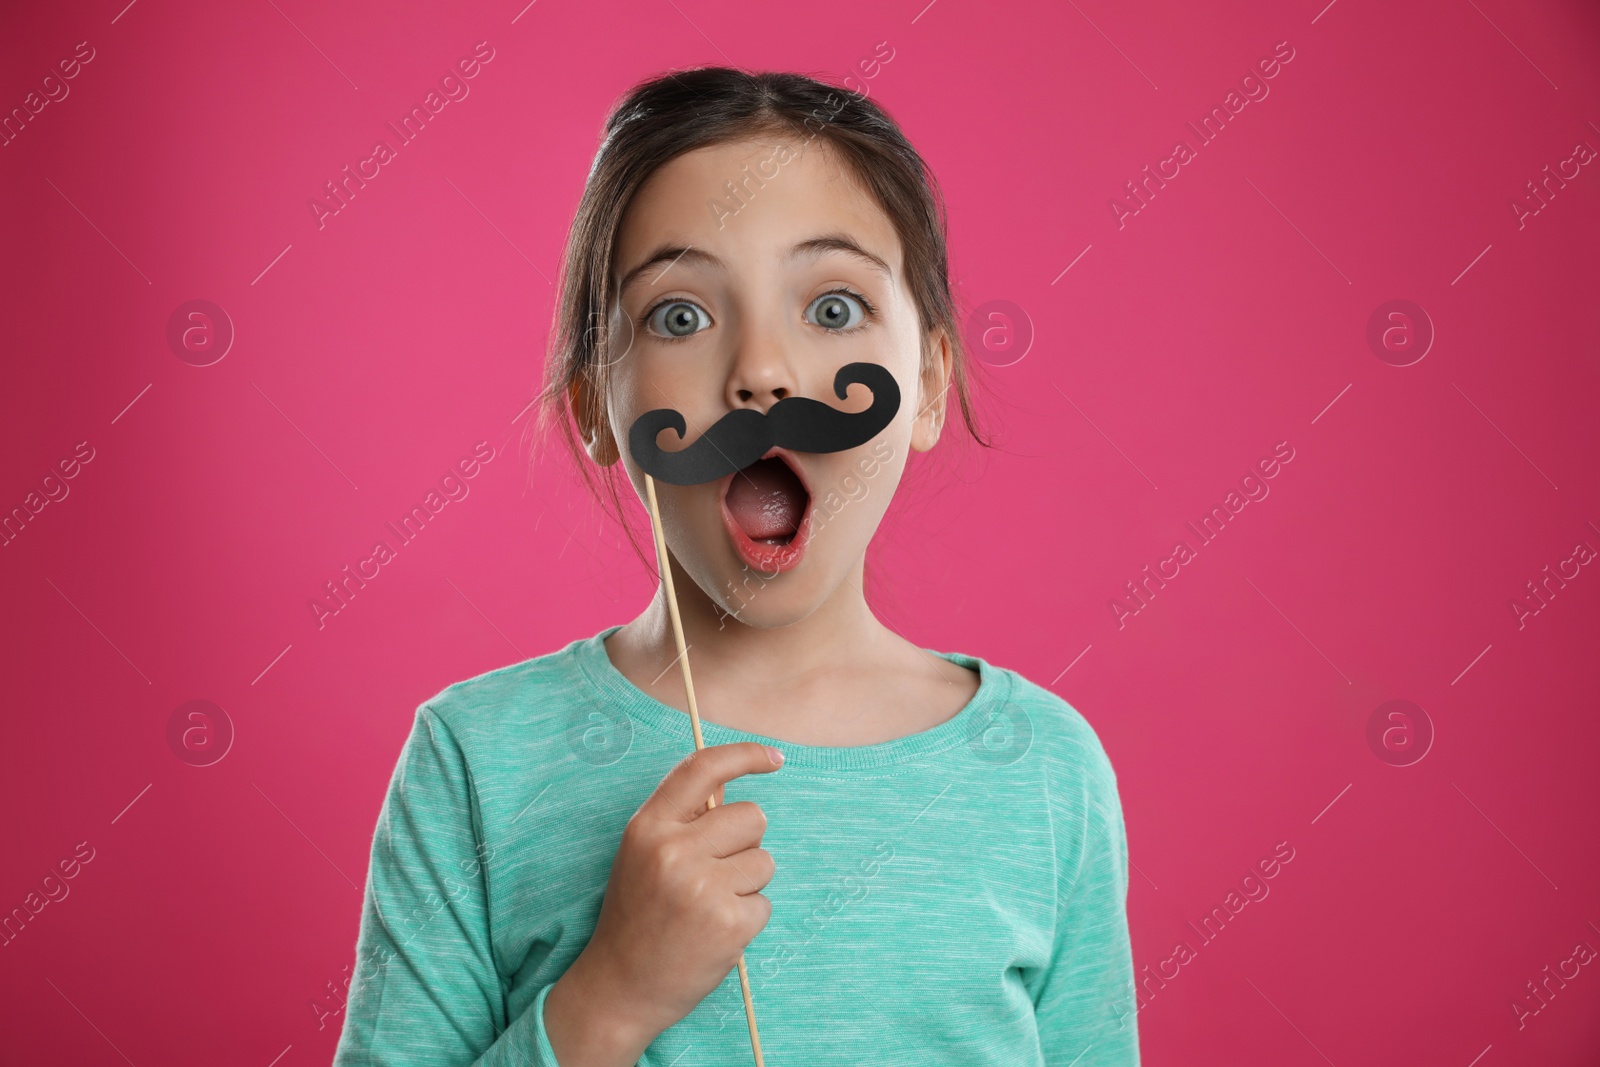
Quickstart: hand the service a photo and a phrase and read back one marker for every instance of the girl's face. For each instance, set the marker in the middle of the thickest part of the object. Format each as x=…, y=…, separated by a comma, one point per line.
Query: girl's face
x=726, y=305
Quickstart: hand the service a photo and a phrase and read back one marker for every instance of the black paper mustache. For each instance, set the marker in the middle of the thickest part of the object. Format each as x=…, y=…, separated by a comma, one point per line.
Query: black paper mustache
x=742, y=436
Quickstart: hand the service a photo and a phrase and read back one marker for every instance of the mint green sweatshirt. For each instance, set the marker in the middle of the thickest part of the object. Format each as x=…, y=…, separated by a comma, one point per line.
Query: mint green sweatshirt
x=952, y=897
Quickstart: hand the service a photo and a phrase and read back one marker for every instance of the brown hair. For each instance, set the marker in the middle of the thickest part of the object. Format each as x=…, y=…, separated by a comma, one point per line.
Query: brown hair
x=665, y=116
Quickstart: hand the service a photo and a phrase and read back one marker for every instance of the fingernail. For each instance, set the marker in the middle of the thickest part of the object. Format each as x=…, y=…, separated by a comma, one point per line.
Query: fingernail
x=775, y=756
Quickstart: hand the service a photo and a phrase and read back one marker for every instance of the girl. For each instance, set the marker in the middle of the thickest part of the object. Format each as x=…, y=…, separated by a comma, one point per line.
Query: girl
x=927, y=863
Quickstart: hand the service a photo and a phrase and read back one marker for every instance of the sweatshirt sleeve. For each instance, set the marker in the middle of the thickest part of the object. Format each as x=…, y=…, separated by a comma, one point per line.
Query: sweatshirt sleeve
x=426, y=987
x=1085, y=1005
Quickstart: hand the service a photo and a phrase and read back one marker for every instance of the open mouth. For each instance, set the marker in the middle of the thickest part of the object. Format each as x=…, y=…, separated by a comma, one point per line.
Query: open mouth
x=767, y=501
x=766, y=508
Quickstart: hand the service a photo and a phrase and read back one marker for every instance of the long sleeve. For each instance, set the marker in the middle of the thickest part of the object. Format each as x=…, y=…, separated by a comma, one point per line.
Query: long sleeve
x=426, y=987
x=1085, y=1004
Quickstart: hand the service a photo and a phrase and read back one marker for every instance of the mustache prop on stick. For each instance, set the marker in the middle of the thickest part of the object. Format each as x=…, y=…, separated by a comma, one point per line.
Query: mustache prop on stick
x=735, y=441
x=743, y=435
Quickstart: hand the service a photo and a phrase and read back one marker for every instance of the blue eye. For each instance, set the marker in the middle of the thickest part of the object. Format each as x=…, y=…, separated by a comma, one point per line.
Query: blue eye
x=679, y=321
x=834, y=310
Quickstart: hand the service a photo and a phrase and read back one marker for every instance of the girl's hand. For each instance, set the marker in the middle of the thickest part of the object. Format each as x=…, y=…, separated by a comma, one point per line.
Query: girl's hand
x=684, y=897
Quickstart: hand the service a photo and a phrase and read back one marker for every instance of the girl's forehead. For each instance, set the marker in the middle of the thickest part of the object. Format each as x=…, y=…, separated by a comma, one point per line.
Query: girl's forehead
x=747, y=201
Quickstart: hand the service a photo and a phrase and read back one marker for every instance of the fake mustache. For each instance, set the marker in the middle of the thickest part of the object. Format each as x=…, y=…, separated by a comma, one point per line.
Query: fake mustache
x=742, y=436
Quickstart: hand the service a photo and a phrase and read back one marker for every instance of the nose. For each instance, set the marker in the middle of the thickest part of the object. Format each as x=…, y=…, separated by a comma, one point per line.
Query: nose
x=761, y=374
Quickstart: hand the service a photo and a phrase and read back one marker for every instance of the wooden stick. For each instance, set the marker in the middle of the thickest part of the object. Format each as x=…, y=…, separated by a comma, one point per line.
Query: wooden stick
x=694, y=719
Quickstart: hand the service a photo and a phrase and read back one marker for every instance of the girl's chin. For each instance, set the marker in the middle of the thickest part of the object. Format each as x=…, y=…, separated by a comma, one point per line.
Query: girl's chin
x=764, y=599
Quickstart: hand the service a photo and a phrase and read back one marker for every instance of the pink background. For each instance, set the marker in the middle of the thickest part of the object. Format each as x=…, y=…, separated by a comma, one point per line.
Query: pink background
x=1229, y=314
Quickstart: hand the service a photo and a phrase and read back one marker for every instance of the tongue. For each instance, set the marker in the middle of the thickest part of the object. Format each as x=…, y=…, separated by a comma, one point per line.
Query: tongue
x=766, y=499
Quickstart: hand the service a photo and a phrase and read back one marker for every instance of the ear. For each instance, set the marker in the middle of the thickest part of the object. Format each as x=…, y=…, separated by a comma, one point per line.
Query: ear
x=597, y=438
x=931, y=397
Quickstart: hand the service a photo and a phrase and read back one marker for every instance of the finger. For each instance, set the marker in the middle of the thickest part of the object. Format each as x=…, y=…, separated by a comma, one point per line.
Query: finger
x=682, y=793
x=716, y=800
x=758, y=907
x=747, y=872
x=730, y=829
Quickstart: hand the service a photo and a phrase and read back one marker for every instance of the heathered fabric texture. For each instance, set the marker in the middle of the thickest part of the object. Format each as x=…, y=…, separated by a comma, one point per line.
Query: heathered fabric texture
x=952, y=897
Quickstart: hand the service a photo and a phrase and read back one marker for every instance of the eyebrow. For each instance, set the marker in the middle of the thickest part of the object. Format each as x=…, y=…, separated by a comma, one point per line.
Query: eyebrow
x=812, y=248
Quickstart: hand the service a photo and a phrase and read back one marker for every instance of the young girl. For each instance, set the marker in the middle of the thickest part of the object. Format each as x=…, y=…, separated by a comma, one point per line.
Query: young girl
x=927, y=862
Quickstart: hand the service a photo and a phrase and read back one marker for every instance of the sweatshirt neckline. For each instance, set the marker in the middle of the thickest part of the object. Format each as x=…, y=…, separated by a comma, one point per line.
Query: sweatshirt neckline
x=967, y=726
